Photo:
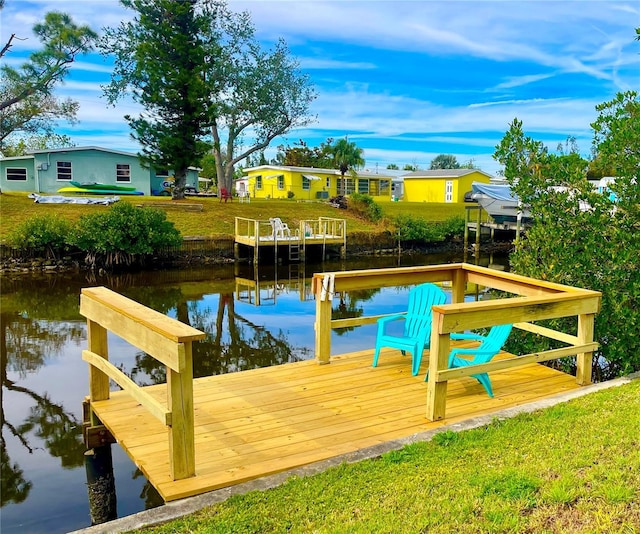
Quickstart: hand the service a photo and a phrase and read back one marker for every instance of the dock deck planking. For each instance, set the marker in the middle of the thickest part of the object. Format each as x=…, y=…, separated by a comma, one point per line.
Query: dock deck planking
x=264, y=421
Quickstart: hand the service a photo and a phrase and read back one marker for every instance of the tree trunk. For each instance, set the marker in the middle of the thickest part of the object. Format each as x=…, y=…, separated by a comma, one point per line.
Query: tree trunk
x=180, y=180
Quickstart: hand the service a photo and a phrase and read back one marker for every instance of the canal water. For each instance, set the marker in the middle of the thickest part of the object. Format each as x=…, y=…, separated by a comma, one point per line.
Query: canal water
x=252, y=317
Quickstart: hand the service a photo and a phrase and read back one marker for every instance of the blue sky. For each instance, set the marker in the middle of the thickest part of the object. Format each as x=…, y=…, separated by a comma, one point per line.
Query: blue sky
x=405, y=80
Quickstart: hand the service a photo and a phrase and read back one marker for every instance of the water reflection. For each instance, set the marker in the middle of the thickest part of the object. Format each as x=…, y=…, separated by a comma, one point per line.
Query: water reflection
x=253, y=318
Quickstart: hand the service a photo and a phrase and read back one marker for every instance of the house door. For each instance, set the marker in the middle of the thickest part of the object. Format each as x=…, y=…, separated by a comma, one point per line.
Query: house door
x=448, y=191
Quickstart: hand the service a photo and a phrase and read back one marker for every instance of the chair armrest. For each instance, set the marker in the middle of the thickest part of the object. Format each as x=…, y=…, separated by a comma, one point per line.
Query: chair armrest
x=455, y=352
x=384, y=320
x=473, y=337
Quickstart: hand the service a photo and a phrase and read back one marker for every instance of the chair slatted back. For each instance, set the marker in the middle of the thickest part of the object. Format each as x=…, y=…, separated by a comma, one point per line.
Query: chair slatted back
x=493, y=341
x=421, y=299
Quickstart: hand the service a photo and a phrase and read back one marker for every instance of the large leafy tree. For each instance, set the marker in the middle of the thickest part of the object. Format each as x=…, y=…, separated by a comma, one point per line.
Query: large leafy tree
x=22, y=145
x=444, y=161
x=256, y=94
x=198, y=69
x=160, y=56
x=27, y=100
x=583, y=238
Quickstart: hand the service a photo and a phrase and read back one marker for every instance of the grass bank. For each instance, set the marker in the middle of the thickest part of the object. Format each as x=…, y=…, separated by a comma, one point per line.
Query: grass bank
x=571, y=468
x=217, y=218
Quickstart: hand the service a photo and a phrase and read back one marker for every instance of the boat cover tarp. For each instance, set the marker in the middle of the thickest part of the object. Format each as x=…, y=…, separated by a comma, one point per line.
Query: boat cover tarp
x=59, y=199
x=497, y=191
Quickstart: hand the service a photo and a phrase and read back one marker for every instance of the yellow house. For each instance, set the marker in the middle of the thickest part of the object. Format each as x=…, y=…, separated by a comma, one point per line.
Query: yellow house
x=310, y=183
x=442, y=185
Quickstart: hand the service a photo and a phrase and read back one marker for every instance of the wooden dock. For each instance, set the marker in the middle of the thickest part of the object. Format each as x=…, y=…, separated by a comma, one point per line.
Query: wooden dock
x=255, y=423
x=193, y=436
x=257, y=234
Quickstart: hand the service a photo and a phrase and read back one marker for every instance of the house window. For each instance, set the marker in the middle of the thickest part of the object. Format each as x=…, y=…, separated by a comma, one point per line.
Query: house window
x=363, y=186
x=281, y=182
x=258, y=182
x=162, y=173
x=345, y=186
x=63, y=170
x=17, y=174
x=328, y=182
x=123, y=172
x=384, y=187
x=306, y=183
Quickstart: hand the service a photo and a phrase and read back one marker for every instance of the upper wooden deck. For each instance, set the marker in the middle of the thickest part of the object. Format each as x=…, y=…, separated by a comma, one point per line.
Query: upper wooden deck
x=255, y=423
x=324, y=231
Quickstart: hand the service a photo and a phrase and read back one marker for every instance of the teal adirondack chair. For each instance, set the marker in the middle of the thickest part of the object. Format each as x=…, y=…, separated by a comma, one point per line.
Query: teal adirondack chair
x=417, y=325
x=489, y=346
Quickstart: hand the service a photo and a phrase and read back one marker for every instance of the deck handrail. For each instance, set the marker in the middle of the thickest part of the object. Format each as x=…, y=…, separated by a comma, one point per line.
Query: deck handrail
x=535, y=300
x=167, y=340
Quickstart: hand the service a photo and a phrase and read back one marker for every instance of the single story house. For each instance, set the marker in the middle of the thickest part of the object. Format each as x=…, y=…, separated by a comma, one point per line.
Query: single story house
x=306, y=183
x=441, y=185
x=46, y=171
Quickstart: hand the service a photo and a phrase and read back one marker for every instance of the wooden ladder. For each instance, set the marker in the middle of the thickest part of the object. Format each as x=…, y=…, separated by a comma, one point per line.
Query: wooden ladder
x=294, y=251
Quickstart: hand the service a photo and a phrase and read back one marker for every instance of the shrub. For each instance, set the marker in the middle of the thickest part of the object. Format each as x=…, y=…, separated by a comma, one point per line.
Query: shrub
x=453, y=227
x=290, y=194
x=415, y=229
x=124, y=235
x=42, y=234
x=595, y=248
x=365, y=207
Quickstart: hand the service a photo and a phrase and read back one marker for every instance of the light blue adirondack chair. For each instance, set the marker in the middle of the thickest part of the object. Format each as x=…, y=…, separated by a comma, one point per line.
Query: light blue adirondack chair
x=417, y=325
x=490, y=345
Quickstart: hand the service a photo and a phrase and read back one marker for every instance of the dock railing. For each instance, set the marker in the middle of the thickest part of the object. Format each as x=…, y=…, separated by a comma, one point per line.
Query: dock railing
x=168, y=341
x=534, y=300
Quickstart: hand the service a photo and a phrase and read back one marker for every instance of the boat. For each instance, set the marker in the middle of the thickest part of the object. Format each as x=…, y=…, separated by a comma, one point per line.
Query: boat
x=104, y=189
x=96, y=185
x=500, y=203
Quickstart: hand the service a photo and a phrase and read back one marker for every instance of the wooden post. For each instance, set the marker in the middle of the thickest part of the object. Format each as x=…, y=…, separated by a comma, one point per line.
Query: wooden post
x=458, y=286
x=98, y=381
x=478, y=231
x=101, y=485
x=438, y=360
x=584, y=360
x=467, y=220
x=256, y=235
x=322, y=324
x=181, y=432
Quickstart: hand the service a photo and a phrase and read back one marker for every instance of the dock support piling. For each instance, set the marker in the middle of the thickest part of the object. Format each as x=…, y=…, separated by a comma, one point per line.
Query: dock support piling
x=101, y=485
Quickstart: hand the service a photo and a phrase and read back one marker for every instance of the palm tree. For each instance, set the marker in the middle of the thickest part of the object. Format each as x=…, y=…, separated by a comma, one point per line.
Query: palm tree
x=346, y=156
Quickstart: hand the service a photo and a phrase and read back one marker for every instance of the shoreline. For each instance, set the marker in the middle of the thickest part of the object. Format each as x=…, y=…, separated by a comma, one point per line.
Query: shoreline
x=221, y=252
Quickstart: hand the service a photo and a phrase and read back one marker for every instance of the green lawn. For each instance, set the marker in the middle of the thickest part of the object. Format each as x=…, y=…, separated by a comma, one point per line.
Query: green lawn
x=218, y=217
x=571, y=468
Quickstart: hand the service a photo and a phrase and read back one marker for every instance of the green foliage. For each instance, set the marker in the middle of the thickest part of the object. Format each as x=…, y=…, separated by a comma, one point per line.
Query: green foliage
x=301, y=155
x=124, y=234
x=27, y=101
x=43, y=234
x=583, y=238
x=410, y=228
x=444, y=161
x=365, y=207
x=156, y=55
x=21, y=146
x=208, y=168
x=346, y=156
